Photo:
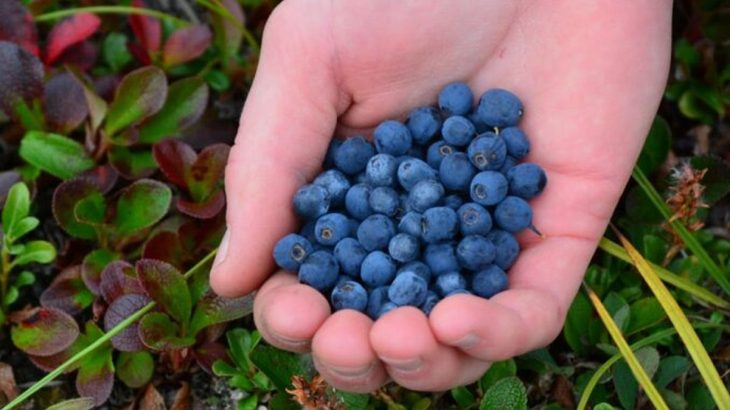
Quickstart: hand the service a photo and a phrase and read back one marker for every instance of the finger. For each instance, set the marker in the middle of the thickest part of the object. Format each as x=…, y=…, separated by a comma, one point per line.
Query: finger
x=342, y=353
x=279, y=316
x=288, y=119
x=415, y=359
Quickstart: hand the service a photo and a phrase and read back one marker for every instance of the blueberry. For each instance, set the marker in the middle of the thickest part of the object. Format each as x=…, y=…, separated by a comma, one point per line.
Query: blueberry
x=489, y=282
x=353, y=154
x=475, y=252
x=487, y=152
x=350, y=254
x=412, y=171
x=376, y=299
x=479, y=125
x=517, y=143
x=336, y=183
x=332, y=228
x=417, y=267
x=488, y=188
x=408, y=289
x=416, y=151
x=349, y=295
x=384, y=200
x=526, y=180
x=392, y=137
x=291, y=251
x=456, y=99
x=375, y=232
x=329, y=159
x=439, y=224
x=423, y=123
x=403, y=247
x=357, y=201
x=456, y=172
x=381, y=170
x=513, y=214
x=430, y=302
x=386, y=307
x=425, y=194
x=307, y=231
x=319, y=270
x=474, y=219
x=507, y=248
x=436, y=153
x=499, y=108
x=441, y=258
x=311, y=201
x=458, y=131
x=449, y=282
x=509, y=163
x=410, y=223
x=359, y=178
x=377, y=269
x=458, y=292
x=453, y=201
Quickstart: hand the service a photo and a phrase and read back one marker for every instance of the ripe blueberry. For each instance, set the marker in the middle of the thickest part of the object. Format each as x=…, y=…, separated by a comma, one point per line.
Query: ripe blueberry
x=487, y=152
x=439, y=224
x=350, y=254
x=425, y=194
x=381, y=170
x=423, y=123
x=412, y=171
x=311, y=201
x=458, y=131
x=349, y=295
x=475, y=252
x=474, y=219
x=499, y=108
x=353, y=154
x=489, y=282
x=456, y=172
x=526, y=180
x=357, y=201
x=456, y=99
x=332, y=228
x=403, y=247
x=319, y=270
x=513, y=214
x=408, y=289
x=384, y=200
x=392, y=137
x=336, y=183
x=488, y=188
x=375, y=232
x=291, y=251
x=377, y=269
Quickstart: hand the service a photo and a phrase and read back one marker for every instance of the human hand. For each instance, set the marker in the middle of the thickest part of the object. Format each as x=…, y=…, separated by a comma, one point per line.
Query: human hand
x=590, y=75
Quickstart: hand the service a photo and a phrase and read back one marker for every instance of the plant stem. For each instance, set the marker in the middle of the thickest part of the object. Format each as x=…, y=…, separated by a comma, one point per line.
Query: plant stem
x=55, y=15
x=6, y=267
x=100, y=341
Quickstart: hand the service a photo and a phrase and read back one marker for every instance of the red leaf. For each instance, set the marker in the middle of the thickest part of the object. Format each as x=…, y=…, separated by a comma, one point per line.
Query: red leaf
x=92, y=267
x=124, y=306
x=82, y=55
x=139, y=53
x=21, y=76
x=147, y=29
x=117, y=279
x=186, y=44
x=65, y=104
x=16, y=25
x=45, y=332
x=95, y=378
x=165, y=246
x=207, y=171
x=103, y=176
x=67, y=292
x=70, y=31
x=208, y=353
x=203, y=210
x=175, y=159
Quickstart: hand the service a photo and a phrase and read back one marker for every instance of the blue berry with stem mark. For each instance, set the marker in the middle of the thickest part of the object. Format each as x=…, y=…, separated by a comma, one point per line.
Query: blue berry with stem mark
x=353, y=154
x=423, y=123
x=499, y=108
x=526, y=180
x=311, y=201
x=350, y=254
x=291, y=251
x=426, y=194
x=349, y=295
x=449, y=282
x=375, y=232
x=392, y=137
x=489, y=282
x=487, y=152
x=458, y=131
x=506, y=248
x=474, y=219
x=377, y=269
x=384, y=200
x=412, y=171
x=439, y=224
x=332, y=228
x=357, y=201
x=403, y=247
x=456, y=99
x=437, y=152
x=488, y=188
x=517, y=143
x=513, y=214
x=408, y=289
x=319, y=270
x=381, y=170
x=441, y=258
x=336, y=183
x=475, y=252
x=456, y=172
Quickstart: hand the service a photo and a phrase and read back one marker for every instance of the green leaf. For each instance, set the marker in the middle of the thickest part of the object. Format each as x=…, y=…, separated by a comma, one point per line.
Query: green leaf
x=353, y=401
x=213, y=309
x=96, y=375
x=671, y=368
x=686, y=54
x=645, y=313
x=575, y=330
x=140, y=95
x=133, y=164
x=280, y=366
x=655, y=248
x=24, y=278
x=240, y=344
x=497, y=371
x=604, y=406
x=82, y=403
x=141, y=205
x=135, y=369
x=11, y=296
x=249, y=403
x=223, y=369
x=166, y=286
x=56, y=154
x=158, y=332
x=218, y=80
x=36, y=251
x=656, y=147
x=65, y=198
x=22, y=227
x=507, y=394
x=114, y=51
x=46, y=332
x=282, y=401
x=619, y=310
x=16, y=208
x=186, y=102
x=462, y=396
x=91, y=209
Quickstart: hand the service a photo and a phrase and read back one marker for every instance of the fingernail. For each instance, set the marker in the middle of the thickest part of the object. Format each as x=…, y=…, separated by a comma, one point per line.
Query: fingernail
x=222, y=250
x=349, y=372
x=404, y=365
x=468, y=341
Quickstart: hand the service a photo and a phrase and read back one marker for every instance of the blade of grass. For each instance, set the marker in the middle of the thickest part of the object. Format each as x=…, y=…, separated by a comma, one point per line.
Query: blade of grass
x=647, y=341
x=55, y=15
x=679, y=282
x=215, y=7
x=644, y=380
x=100, y=341
x=689, y=337
x=687, y=237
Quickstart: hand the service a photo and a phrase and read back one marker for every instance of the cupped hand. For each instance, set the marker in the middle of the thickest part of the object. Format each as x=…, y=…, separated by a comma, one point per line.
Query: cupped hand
x=590, y=74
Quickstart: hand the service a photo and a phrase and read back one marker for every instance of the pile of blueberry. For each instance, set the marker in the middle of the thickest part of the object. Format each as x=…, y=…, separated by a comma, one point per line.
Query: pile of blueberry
x=428, y=211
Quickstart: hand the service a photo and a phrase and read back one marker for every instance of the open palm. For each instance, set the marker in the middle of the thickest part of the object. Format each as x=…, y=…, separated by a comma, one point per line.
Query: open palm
x=590, y=75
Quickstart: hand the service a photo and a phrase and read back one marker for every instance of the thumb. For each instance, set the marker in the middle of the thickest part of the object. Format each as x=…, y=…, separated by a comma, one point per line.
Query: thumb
x=287, y=122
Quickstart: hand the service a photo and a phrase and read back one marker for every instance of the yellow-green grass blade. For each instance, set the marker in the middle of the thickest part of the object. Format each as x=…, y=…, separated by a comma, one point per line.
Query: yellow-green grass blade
x=687, y=237
x=689, y=337
x=675, y=280
x=647, y=341
x=644, y=380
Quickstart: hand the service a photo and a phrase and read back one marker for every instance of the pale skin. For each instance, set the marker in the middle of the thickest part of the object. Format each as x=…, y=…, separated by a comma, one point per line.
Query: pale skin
x=590, y=74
